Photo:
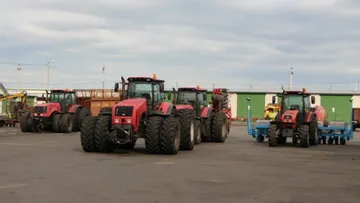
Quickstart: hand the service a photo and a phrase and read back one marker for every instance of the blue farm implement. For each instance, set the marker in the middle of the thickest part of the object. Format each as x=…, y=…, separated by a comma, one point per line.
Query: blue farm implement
x=334, y=131
x=260, y=129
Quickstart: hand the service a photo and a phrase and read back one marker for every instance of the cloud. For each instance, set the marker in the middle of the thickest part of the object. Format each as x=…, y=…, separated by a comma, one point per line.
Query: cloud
x=229, y=43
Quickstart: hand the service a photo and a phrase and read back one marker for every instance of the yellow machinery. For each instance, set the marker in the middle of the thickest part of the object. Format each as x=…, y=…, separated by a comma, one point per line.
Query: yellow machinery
x=14, y=109
x=271, y=110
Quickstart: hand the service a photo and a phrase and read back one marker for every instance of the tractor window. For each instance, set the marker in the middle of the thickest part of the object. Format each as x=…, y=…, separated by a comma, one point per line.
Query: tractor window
x=70, y=98
x=200, y=98
x=57, y=96
x=186, y=98
x=296, y=100
x=143, y=90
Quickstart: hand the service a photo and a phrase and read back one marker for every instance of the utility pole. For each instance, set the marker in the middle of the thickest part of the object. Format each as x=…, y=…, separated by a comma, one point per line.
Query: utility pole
x=357, y=86
x=18, y=79
x=291, y=79
x=103, y=81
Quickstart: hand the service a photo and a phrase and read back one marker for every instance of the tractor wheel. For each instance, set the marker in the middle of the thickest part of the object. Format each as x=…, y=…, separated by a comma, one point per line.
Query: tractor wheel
x=80, y=117
x=336, y=139
x=331, y=141
x=313, y=133
x=206, y=128
x=87, y=132
x=56, y=125
x=66, y=123
x=187, y=122
x=219, y=127
x=152, y=134
x=260, y=138
x=102, y=134
x=304, y=136
x=272, y=135
x=24, y=124
x=170, y=135
x=197, y=132
x=342, y=141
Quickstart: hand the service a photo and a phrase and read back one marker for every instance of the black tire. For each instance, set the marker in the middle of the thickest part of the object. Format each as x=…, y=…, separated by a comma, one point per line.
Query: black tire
x=342, y=141
x=331, y=141
x=260, y=138
x=152, y=134
x=313, y=133
x=102, y=135
x=87, y=132
x=24, y=124
x=304, y=136
x=198, y=132
x=66, y=123
x=187, y=121
x=206, y=128
x=272, y=135
x=282, y=140
x=56, y=125
x=219, y=127
x=80, y=117
x=336, y=139
x=170, y=135
x=105, y=111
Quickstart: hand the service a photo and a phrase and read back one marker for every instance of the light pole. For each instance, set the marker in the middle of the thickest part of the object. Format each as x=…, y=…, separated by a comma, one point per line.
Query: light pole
x=103, y=81
x=19, y=78
x=48, y=73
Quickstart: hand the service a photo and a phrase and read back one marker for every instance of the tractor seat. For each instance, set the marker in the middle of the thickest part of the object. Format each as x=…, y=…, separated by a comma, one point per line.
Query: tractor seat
x=294, y=107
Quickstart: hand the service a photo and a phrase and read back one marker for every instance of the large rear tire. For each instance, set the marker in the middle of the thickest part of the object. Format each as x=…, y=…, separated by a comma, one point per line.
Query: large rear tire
x=219, y=127
x=56, y=127
x=272, y=139
x=80, y=117
x=304, y=136
x=206, y=128
x=24, y=124
x=152, y=134
x=198, y=132
x=170, y=135
x=313, y=132
x=102, y=135
x=87, y=132
x=187, y=121
x=66, y=123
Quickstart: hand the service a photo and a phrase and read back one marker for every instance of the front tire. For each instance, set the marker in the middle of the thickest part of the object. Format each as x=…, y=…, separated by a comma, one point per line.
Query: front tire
x=272, y=135
x=187, y=122
x=80, y=117
x=56, y=127
x=198, y=137
x=152, y=134
x=87, y=133
x=170, y=135
x=304, y=136
x=313, y=133
x=24, y=124
x=66, y=123
x=102, y=134
x=219, y=127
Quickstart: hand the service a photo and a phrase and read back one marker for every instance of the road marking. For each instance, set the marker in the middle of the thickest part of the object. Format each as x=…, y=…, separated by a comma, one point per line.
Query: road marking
x=13, y=186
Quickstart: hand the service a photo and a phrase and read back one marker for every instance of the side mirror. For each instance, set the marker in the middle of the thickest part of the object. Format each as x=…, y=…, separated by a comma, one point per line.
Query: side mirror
x=273, y=99
x=116, y=88
x=169, y=96
x=122, y=97
x=312, y=99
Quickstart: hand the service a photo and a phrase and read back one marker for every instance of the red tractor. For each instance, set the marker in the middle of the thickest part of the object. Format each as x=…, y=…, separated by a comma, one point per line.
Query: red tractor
x=141, y=113
x=60, y=114
x=296, y=119
x=200, y=121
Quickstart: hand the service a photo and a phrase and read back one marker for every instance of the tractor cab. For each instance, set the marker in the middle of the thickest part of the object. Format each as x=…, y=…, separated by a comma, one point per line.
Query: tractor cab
x=195, y=97
x=151, y=89
x=66, y=98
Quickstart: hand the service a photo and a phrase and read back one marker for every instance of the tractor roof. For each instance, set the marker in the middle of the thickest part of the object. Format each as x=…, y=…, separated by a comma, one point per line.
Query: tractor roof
x=192, y=89
x=145, y=79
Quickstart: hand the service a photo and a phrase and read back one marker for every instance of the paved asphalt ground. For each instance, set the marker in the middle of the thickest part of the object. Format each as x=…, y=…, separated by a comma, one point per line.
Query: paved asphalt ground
x=52, y=168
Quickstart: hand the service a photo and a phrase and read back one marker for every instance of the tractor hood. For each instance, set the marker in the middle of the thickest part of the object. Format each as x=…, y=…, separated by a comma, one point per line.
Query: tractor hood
x=136, y=102
x=289, y=116
x=183, y=106
x=49, y=106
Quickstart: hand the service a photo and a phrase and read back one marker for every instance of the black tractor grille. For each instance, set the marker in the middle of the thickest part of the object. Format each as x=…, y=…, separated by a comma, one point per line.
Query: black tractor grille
x=123, y=111
x=40, y=109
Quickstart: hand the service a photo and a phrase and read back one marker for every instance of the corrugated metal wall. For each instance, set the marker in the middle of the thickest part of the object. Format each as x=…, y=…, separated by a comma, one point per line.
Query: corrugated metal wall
x=257, y=105
x=341, y=105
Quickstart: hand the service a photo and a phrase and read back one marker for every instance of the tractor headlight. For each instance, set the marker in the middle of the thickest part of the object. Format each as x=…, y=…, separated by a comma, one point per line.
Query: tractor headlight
x=116, y=120
x=128, y=120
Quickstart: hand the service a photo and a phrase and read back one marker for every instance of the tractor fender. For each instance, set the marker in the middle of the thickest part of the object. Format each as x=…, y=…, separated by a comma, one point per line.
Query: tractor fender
x=205, y=113
x=74, y=108
x=166, y=108
x=309, y=116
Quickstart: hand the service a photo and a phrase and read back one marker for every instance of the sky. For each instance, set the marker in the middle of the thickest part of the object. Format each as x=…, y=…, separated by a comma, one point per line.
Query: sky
x=220, y=43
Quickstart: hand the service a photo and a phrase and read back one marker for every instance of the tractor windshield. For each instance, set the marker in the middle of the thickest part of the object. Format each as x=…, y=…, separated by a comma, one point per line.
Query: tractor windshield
x=67, y=97
x=296, y=101
x=143, y=89
x=186, y=98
